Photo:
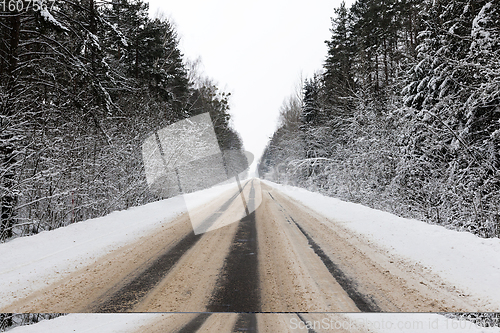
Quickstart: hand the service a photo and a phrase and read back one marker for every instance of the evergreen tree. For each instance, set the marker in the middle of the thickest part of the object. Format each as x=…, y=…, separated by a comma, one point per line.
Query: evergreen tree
x=339, y=77
x=452, y=149
x=405, y=116
x=81, y=85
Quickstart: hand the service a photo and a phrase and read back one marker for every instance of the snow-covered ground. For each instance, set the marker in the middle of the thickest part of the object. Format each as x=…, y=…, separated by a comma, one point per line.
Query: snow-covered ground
x=98, y=323
x=362, y=322
x=469, y=262
x=466, y=261
x=409, y=323
x=31, y=263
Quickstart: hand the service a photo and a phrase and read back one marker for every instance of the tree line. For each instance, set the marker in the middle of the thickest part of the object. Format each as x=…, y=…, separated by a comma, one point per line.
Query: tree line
x=82, y=84
x=404, y=115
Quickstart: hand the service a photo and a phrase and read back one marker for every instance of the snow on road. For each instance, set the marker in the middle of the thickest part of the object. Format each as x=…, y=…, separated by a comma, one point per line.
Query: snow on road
x=31, y=263
x=466, y=261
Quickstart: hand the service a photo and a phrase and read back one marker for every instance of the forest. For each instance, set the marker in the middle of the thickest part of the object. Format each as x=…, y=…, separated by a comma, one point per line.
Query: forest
x=82, y=85
x=404, y=116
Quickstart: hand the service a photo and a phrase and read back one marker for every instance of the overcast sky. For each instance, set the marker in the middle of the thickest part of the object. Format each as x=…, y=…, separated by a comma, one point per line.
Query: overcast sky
x=258, y=50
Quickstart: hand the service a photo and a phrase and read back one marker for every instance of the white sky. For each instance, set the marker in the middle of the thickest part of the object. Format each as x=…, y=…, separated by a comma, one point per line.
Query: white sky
x=257, y=50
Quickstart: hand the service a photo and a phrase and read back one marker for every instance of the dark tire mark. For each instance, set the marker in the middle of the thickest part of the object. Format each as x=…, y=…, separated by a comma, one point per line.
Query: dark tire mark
x=138, y=287
x=364, y=302
x=247, y=322
x=195, y=323
x=237, y=289
x=208, y=222
x=309, y=330
x=129, y=295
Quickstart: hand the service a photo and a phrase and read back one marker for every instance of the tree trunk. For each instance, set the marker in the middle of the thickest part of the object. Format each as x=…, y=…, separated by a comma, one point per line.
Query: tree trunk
x=15, y=22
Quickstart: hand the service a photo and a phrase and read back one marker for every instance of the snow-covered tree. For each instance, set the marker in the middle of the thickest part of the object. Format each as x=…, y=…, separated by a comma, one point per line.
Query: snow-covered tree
x=405, y=116
x=452, y=148
x=82, y=84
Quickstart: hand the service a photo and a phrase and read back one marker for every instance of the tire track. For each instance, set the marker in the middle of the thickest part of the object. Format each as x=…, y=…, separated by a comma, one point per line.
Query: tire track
x=364, y=303
x=135, y=290
x=194, y=324
x=309, y=330
x=131, y=292
x=246, y=322
x=238, y=289
x=208, y=222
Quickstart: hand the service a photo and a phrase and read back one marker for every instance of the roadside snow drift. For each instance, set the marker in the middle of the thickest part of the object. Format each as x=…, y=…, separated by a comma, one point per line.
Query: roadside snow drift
x=351, y=322
x=31, y=263
x=468, y=262
x=98, y=323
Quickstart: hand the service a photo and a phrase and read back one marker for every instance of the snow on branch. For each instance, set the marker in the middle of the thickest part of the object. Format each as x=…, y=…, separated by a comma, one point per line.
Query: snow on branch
x=47, y=16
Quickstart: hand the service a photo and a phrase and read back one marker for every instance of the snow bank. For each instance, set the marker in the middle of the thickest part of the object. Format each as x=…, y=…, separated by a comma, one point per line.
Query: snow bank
x=31, y=263
x=412, y=323
x=102, y=323
x=352, y=322
x=468, y=262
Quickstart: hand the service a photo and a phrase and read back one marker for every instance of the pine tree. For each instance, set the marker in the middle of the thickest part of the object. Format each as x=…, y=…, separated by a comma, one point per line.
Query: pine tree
x=81, y=85
x=406, y=116
x=452, y=147
x=338, y=77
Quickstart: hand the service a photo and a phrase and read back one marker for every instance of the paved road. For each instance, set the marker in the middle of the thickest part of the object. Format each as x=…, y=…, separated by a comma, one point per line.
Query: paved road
x=282, y=257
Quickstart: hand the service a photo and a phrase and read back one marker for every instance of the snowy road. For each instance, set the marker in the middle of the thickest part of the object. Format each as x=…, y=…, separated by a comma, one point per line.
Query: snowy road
x=284, y=257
